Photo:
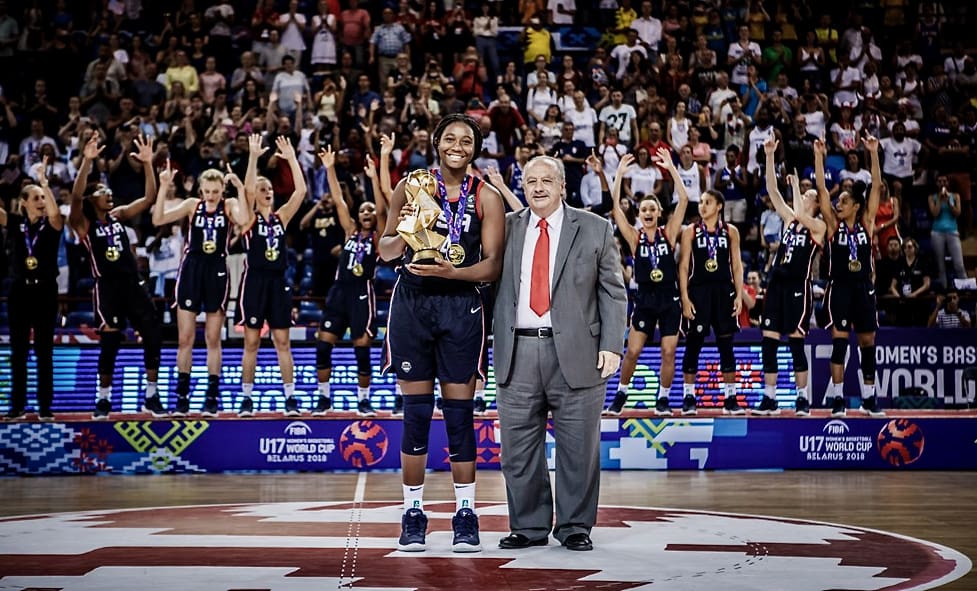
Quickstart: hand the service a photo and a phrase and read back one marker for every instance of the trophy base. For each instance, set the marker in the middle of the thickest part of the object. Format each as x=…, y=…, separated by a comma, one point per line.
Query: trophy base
x=427, y=256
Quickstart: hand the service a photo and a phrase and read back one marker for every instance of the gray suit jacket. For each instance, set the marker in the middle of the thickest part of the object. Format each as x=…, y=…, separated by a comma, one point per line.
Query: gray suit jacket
x=588, y=302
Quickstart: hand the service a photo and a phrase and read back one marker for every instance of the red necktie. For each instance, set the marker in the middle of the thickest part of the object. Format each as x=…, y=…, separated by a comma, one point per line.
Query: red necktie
x=539, y=285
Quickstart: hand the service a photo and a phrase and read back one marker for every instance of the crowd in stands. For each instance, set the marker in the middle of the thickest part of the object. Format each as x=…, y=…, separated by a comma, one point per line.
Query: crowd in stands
x=709, y=80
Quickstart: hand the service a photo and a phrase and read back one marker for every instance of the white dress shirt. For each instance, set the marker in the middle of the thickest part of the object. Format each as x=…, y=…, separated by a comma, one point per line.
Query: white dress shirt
x=525, y=317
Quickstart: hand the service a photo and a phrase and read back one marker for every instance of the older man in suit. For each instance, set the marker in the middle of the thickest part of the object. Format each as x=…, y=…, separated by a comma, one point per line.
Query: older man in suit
x=560, y=316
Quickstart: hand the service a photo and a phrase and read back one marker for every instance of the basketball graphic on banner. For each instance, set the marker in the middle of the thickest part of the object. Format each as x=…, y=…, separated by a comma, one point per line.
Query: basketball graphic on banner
x=363, y=443
x=901, y=442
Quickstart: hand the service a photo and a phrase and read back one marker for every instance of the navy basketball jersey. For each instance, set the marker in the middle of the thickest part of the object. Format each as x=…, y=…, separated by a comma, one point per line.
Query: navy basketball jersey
x=711, y=261
x=209, y=232
x=468, y=250
x=264, y=243
x=795, y=257
x=654, y=263
x=358, y=259
x=108, y=247
x=850, y=254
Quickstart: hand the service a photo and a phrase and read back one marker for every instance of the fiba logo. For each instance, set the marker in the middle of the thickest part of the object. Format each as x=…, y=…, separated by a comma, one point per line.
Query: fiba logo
x=901, y=442
x=298, y=429
x=363, y=443
x=835, y=428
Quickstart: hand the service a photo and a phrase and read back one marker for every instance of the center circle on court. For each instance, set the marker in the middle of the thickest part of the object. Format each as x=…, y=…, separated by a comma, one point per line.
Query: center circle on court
x=303, y=545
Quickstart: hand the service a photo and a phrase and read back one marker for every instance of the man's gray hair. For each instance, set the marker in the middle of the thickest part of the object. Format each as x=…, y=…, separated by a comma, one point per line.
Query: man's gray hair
x=555, y=163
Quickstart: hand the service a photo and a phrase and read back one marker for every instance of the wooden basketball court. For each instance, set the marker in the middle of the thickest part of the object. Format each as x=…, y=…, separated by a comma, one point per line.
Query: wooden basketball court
x=939, y=507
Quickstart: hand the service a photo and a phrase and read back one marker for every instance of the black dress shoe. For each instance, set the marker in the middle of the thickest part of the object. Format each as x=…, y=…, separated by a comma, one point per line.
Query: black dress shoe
x=519, y=541
x=580, y=542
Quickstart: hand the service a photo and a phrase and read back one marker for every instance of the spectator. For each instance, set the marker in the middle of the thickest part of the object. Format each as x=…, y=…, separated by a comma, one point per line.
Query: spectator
x=211, y=80
x=948, y=313
x=621, y=54
x=538, y=101
x=389, y=40
x=290, y=87
x=293, y=26
x=536, y=42
x=181, y=71
x=741, y=54
x=944, y=206
x=731, y=181
x=507, y=122
x=649, y=30
x=485, y=27
x=811, y=61
x=354, y=32
x=324, y=47
x=573, y=153
x=900, y=156
x=620, y=116
x=642, y=177
x=910, y=284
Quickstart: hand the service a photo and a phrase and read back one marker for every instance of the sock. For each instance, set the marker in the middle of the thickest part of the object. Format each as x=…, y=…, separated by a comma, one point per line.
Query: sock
x=397, y=389
x=829, y=392
x=183, y=383
x=324, y=389
x=464, y=496
x=362, y=392
x=622, y=389
x=105, y=393
x=730, y=390
x=213, y=386
x=688, y=389
x=152, y=389
x=480, y=393
x=868, y=391
x=413, y=497
x=770, y=391
x=289, y=390
x=839, y=390
x=802, y=393
x=246, y=390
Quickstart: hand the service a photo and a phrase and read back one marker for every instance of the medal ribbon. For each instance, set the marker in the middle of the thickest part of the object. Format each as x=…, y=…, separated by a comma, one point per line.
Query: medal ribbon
x=210, y=219
x=454, y=220
x=361, y=247
x=30, y=242
x=652, y=248
x=270, y=239
x=711, y=241
x=109, y=236
x=852, y=247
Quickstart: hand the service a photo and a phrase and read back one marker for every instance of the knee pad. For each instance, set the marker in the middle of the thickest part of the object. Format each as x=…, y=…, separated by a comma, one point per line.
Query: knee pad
x=839, y=347
x=727, y=359
x=690, y=362
x=459, y=422
x=769, y=354
x=111, y=342
x=152, y=342
x=323, y=355
x=868, y=363
x=796, y=345
x=418, y=409
x=363, y=365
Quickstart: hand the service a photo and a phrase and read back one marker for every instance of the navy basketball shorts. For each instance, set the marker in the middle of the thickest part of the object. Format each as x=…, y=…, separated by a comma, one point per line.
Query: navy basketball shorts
x=265, y=297
x=787, y=307
x=713, y=308
x=851, y=306
x=351, y=305
x=202, y=284
x=435, y=335
x=660, y=309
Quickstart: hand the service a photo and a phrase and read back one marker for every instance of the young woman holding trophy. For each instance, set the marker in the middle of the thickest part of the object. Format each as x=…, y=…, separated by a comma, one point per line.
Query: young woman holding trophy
x=450, y=234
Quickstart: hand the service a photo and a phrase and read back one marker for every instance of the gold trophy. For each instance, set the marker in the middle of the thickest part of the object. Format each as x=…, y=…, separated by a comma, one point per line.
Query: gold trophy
x=417, y=229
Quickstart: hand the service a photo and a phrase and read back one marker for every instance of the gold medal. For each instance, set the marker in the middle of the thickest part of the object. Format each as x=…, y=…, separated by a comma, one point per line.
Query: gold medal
x=271, y=254
x=456, y=254
x=31, y=263
x=854, y=266
x=712, y=265
x=323, y=232
x=657, y=275
x=358, y=270
x=112, y=254
x=210, y=246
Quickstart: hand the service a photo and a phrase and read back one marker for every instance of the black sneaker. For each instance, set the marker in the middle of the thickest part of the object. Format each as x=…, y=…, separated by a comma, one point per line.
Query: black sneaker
x=292, y=407
x=102, y=409
x=413, y=531
x=154, y=406
x=617, y=405
x=247, y=407
x=322, y=406
x=15, y=413
x=870, y=406
x=802, y=407
x=768, y=406
x=45, y=415
x=662, y=408
x=398, y=410
x=182, y=407
x=688, y=405
x=211, y=407
x=731, y=406
x=480, y=407
x=465, y=527
x=365, y=409
x=838, y=406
